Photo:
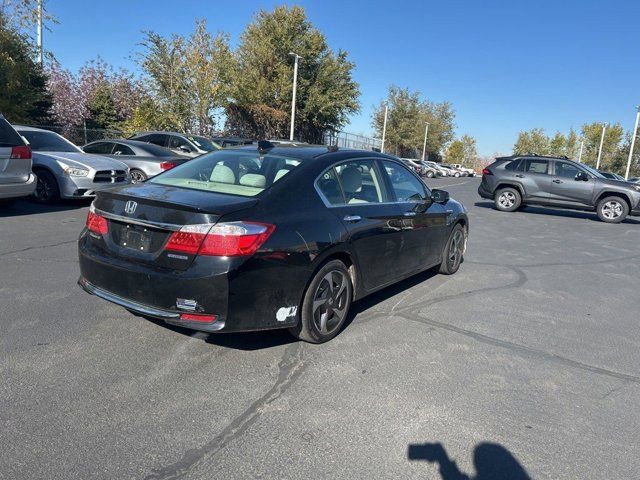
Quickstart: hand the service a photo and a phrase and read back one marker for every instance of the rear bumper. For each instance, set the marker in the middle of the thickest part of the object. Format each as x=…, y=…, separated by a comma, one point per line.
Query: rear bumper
x=16, y=190
x=484, y=192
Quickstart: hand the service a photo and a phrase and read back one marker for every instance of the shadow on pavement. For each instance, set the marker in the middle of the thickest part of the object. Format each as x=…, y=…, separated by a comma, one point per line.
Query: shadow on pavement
x=26, y=207
x=491, y=461
x=536, y=210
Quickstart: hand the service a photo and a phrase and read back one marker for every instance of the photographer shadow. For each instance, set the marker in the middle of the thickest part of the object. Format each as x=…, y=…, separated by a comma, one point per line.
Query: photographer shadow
x=491, y=461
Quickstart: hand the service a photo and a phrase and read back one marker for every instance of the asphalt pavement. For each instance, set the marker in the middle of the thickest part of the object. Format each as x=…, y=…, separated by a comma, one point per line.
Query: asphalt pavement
x=526, y=363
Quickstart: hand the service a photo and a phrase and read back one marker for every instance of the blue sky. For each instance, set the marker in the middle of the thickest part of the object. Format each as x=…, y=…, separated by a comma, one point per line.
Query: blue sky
x=505, y=66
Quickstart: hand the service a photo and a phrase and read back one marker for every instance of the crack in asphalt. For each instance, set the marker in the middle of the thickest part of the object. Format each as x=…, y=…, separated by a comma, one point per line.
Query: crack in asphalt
x=36, y=247
x=291, y=367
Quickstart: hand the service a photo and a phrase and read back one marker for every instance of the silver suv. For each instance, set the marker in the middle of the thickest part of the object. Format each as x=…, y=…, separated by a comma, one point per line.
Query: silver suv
x=16, y=178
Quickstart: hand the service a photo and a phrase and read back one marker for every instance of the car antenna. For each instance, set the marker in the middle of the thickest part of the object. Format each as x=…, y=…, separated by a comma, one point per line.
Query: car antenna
x=264, y=146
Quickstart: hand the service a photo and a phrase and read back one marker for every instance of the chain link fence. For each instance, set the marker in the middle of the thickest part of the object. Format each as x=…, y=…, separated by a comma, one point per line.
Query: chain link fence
x=351, y=140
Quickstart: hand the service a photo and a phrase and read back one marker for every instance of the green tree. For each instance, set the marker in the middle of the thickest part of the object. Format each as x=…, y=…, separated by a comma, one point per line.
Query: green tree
x=407, y=117
x=102, y=109
x=470, y=151
x=261, y=94
x=532, y=141
x=455, y=152
x=558, y=144
x=592, y=133
x=23, y=94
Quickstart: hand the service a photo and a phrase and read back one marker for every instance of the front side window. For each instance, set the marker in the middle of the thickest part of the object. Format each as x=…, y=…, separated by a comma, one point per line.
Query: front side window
x=566, y=170
x=176, y=142
x=244, y=173
x=406, y=187
x=536, y=166
x=103, y=148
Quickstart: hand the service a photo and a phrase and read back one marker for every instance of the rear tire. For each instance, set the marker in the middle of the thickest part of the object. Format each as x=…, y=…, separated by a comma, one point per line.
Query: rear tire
x=47, y=190
x=457, y=174
x=429, y=174
x=612, y=209
x=137, y=176
x=325, y=305
x=507, y=199
x=453, y=253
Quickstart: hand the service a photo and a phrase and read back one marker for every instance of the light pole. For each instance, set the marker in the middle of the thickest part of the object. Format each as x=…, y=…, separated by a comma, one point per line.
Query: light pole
x=384, y=127
x=604, y=129
x=581, y=147
x=295, y=87
x=633, y=142
x=39, y=32
x=424, y=145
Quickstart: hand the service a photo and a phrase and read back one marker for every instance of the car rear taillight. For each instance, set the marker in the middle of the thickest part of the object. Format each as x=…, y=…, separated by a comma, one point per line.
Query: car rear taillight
x=97, y=223
x=230, y=239
x=486, y=171
x=167, y=165
x=198, y=317
x=21, y=152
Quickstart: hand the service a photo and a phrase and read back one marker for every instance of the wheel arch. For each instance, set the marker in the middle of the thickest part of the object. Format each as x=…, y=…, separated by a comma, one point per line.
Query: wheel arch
x=613, y=193
x=503, y=184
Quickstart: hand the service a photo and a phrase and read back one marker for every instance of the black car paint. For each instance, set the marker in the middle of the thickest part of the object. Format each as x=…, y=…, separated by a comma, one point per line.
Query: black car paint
x=554, y=191
x=247, y=292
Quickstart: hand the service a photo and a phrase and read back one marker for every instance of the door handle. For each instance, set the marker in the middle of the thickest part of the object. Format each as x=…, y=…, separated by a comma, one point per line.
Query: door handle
x=409, y=214
x=556, y=181
x=519, y=175
x=352, y=218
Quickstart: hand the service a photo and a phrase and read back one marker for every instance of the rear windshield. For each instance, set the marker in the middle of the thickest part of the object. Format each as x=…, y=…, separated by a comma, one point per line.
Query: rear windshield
x=8, y=136
x=237, y=172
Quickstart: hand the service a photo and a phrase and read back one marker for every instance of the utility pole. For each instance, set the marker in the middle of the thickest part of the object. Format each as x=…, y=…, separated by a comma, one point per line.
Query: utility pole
x=633, y=142
x=384, y=127
x=39, y=33
x=581, y=147
x=295, y=87
x=424, y=145
x=604, y=128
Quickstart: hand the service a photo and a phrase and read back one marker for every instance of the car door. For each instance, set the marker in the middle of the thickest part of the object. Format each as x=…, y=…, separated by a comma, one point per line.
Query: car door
x=568, y=188
x=424, y=222
x=99, y=148
x=355, y=191
x=181, y=146
x=534, y=176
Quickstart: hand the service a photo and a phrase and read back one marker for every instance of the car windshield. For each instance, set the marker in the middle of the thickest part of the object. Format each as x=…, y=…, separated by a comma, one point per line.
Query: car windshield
x=592, y=171
x=236, y=172
x=204, y=143
x=48, y=141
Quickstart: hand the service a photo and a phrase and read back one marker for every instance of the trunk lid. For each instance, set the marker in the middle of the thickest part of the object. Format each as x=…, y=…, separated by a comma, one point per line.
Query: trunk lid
x=141, y=218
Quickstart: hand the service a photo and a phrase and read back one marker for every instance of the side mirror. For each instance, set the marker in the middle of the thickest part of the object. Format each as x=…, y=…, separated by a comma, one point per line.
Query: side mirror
x=439, y=196
x=581, y=177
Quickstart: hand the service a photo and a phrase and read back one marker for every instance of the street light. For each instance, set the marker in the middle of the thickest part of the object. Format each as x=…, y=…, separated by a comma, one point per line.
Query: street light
x=424, y=145
x=295, y=87
x=39, y=32
x=633, y=142
x=604, y=129
x=384, y=127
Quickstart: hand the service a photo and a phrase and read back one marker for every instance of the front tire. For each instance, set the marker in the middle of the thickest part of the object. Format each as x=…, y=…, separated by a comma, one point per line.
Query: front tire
x=457, y=174
x=429, y=174
x=47, y=190
x=508, y=199
x=325, y=305
x=454, y=249
x=612, y=209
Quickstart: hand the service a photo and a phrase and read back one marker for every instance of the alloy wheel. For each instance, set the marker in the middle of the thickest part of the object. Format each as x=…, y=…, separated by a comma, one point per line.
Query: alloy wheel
x=330, y=302
x=456, y=249
x=137, y=177
x=507, y=200
x=44, y=190
x=612, y=209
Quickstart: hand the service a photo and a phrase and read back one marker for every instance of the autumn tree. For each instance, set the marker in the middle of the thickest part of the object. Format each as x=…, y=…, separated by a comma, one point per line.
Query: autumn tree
x=592, y=133
x=407, y=117
x=532, y=141
x=261, y=96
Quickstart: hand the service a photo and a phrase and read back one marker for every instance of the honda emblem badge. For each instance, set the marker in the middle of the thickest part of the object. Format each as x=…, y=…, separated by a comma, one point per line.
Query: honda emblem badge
x=130, y=207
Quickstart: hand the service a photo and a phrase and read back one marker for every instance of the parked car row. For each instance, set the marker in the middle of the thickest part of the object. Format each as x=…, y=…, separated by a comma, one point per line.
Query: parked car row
x=432, y=169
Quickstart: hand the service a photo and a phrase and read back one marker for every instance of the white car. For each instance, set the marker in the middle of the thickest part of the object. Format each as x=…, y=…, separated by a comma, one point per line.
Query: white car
x=470, y=171
x=63, y=170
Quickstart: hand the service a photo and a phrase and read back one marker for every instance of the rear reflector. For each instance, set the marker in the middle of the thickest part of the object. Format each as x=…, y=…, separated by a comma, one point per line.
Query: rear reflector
x=221, y=240
x=486, y=171
x=97, y=223
x=21, y=152
x=198, y=317
x=167, y=165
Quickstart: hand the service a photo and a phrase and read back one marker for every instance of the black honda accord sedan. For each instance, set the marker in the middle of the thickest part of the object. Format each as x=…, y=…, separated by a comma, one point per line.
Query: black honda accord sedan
x=268, y=237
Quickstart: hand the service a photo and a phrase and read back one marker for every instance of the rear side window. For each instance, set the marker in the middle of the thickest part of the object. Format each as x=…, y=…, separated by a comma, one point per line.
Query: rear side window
x=8, y=136
x=513, y=166
x=536, y=166
x=103, y=148
x=329, y=186
x=360, y=181
x=121, y=149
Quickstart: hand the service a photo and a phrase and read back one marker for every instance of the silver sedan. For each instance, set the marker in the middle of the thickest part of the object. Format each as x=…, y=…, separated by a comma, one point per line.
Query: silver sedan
x=145, y=160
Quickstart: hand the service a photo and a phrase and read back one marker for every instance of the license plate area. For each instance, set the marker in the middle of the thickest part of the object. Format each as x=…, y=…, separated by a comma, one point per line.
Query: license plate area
x=136, y=238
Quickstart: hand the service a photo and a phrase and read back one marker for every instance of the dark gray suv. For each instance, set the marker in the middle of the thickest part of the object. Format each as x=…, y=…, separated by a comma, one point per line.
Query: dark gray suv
x=513, y=182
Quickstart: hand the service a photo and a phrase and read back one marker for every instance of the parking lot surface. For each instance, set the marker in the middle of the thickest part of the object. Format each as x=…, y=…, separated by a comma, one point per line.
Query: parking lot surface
x=526, y=360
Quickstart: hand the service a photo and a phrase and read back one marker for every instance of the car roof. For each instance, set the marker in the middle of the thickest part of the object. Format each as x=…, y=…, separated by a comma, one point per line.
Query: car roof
x=305, y=151
x=126, y=141
x=31, y=129
x=533, y=155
